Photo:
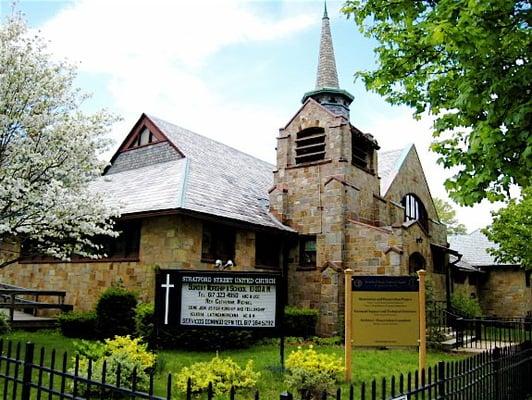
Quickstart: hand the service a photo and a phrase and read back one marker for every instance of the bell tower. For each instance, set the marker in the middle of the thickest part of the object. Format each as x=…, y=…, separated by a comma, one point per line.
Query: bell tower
x=325, y=177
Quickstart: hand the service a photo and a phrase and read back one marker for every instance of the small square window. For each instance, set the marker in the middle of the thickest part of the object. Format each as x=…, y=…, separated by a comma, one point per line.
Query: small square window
x=218, y=243
x=307, y=252
x=267, y=250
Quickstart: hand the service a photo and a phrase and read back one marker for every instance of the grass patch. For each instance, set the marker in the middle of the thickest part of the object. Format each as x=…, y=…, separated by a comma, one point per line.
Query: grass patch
x=367, y=363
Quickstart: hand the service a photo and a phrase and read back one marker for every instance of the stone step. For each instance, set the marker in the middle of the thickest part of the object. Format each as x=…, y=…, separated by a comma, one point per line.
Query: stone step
x=450, y=343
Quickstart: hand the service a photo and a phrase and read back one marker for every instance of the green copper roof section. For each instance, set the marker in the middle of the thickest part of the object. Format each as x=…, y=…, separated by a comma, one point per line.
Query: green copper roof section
x=328, y=91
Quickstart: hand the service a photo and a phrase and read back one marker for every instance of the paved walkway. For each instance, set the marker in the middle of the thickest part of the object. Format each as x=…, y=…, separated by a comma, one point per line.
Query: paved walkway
x=21, y=319
x=481, y=346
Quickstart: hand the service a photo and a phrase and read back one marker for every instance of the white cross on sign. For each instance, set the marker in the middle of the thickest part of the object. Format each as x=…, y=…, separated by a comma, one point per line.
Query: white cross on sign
x=166, y=286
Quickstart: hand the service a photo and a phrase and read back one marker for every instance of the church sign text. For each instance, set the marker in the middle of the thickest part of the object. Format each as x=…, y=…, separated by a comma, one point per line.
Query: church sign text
x=218, y=299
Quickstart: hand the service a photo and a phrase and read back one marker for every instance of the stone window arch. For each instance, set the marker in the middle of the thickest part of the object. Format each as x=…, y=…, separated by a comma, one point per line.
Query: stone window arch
x=415, y=210
x=416, y=262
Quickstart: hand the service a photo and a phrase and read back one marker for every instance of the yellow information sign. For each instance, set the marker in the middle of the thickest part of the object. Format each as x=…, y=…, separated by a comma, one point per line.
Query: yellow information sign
x=385, y=311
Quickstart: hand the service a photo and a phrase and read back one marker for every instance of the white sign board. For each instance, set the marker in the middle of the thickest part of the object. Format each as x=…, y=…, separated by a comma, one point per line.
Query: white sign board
x=228, y=301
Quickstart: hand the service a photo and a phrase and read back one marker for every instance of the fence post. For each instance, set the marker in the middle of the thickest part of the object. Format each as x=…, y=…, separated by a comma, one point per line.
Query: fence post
x=441, y=380
x=496, y=372
x=459, y=332
x=28, y=365
x=478, y=330
x=12, y=309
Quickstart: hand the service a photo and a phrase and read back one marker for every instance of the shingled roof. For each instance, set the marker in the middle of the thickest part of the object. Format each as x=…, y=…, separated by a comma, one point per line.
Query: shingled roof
x=205, y=176
x=474, y=247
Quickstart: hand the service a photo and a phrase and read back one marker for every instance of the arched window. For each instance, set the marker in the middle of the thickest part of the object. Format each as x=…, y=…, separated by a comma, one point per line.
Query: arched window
x=415, y=262
x=310, y=145
x=415, y=210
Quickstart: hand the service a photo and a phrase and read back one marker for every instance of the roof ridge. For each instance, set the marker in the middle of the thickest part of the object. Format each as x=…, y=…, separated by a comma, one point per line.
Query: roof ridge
x=397, y=149
x=153, y=117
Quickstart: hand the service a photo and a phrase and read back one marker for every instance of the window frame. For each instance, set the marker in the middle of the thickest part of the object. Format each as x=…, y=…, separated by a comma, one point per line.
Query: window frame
x=303, y=239
x=415, y=210
x=219, y=233
x=275, y=241
x=361, y=147
x=310, y=146
x=133, y=228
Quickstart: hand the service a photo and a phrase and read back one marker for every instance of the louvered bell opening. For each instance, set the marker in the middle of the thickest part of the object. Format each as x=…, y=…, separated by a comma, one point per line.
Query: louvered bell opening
x=310, y=145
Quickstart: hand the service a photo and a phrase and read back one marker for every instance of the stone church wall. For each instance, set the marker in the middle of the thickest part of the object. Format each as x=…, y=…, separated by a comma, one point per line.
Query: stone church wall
x=167, y=242
x=504, y=293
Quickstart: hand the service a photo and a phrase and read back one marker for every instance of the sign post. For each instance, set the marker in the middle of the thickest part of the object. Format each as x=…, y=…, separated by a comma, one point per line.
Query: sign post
x=422, y=322
x=348, y=327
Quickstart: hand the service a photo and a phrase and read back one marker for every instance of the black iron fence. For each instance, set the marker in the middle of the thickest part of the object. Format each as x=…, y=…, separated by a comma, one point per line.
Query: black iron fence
x=498, y=374
x=487, y=333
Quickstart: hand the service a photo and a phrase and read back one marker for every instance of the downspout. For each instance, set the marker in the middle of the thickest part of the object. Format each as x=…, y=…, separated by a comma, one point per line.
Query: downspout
x=448, y=283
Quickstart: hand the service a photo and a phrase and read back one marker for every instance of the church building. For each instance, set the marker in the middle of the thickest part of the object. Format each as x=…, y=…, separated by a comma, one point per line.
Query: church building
x=331, y=202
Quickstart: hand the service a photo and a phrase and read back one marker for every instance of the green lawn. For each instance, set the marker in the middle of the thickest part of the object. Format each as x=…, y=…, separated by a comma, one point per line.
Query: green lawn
x=367, y=363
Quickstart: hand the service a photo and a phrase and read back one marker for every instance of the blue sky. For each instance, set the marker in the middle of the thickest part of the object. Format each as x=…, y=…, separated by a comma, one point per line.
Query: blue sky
x=231, y=70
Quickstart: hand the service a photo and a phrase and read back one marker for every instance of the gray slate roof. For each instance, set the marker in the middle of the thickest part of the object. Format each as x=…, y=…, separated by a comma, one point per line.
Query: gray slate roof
x=474, y=247
x=327, y=76
x=212, y=178
x=389, y=164
x=151, y=188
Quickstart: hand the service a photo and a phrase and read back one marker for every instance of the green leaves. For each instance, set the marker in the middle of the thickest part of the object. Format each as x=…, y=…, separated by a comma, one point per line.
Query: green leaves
x=468, y=63
x=512, y=231
x=447, y=215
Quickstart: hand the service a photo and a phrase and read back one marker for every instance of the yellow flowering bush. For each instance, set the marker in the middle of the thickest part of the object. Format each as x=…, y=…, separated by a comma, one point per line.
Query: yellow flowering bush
x=311, y=373
x=222, y=372
x=130, y=354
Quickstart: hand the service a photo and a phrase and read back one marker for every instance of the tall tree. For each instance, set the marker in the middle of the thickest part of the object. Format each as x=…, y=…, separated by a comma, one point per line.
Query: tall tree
x=511, y=229
x=48, y=153
x=447, y=215
x=468, y=64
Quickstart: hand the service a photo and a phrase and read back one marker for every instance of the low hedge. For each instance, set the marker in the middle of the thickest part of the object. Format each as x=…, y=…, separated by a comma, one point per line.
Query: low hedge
x=190, y=339
x=300, y=322
x=77, y=324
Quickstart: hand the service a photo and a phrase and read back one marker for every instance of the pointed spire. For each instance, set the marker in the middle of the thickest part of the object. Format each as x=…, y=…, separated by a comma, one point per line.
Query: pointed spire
x=325, y=10
x=327, y=75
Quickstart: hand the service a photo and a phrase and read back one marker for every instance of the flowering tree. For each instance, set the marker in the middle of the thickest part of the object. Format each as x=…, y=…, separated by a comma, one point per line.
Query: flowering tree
x=48, y=153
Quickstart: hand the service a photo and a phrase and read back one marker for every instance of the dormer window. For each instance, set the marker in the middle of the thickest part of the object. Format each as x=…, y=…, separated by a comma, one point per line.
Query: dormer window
x=415, y=210
x=310, y=145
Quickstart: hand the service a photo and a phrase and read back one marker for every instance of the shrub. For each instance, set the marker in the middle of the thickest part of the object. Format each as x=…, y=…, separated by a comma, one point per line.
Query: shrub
x=144, y=322
x=4, y=324
x=191, y=339
x=311, y=373
x=91, y=350
x=222, y=373
x=300, y=321
x=80, y=325
x=465, y=305
x=115, y=312
x=130, y=354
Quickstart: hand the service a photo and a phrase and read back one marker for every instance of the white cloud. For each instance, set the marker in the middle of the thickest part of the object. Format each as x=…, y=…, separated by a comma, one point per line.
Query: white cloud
x=112, y=36
x=153, y=57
